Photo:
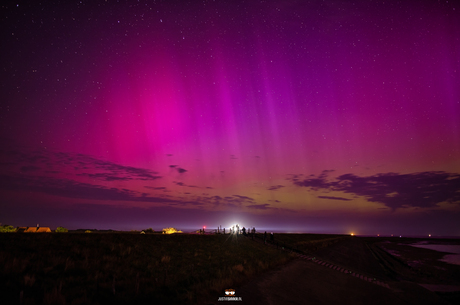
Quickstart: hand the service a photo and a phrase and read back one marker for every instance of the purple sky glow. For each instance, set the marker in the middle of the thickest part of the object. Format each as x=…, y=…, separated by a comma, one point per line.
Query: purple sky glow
x=301, y=116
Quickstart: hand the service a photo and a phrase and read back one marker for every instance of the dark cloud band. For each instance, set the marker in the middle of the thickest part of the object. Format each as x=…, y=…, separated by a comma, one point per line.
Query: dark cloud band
x=426, y=189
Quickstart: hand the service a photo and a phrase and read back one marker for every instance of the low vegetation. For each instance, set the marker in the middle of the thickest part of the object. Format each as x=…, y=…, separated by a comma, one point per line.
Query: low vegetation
x=61, y=230
x=7, y=229
x=114, y=268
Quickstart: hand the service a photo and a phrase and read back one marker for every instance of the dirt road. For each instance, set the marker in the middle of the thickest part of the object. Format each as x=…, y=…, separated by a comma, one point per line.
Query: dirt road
x=355, y=254
x=304, y=282
x=352, y=271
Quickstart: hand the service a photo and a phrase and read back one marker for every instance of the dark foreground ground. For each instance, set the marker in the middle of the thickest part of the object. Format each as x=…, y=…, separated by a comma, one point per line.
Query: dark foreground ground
x=126, y=268
x=404, y=276
x=123, y=268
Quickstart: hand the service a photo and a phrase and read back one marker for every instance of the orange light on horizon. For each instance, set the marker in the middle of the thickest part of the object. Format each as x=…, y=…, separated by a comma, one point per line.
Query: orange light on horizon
x=171, y=231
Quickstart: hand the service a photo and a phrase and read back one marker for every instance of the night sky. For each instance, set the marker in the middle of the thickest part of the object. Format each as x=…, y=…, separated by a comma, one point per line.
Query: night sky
x=302, y=116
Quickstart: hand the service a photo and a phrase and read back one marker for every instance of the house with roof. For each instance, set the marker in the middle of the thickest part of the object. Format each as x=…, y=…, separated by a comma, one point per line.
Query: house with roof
x=21, y=229
x=36, y=229
x=43, y=230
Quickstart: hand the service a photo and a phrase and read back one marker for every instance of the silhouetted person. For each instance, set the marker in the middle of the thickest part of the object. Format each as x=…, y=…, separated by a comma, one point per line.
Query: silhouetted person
x=272, y=237
x=244, y=231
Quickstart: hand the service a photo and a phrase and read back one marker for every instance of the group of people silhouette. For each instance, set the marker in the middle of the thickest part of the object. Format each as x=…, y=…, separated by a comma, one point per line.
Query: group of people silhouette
x=236, y=229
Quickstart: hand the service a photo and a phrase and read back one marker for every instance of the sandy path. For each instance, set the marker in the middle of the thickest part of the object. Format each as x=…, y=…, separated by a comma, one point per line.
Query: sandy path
x=353, y=253
x=304, y=282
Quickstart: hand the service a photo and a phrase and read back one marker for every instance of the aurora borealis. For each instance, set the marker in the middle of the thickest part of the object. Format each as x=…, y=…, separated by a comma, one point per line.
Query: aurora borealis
x=305, y=116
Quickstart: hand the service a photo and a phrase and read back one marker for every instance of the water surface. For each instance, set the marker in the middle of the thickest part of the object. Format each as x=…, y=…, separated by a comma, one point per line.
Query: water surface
x=453, y=258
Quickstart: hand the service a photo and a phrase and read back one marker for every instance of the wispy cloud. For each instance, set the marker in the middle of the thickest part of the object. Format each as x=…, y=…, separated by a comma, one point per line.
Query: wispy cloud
x=244, y=198
x=425, y=189
x=275, y=187
x=105, y=176
x=63, y=174
x=72, y=189
x=264, y=206
x=267, y=207
x=334, y=198
x=179, y=169
x=155, y=188
x=77, y=164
